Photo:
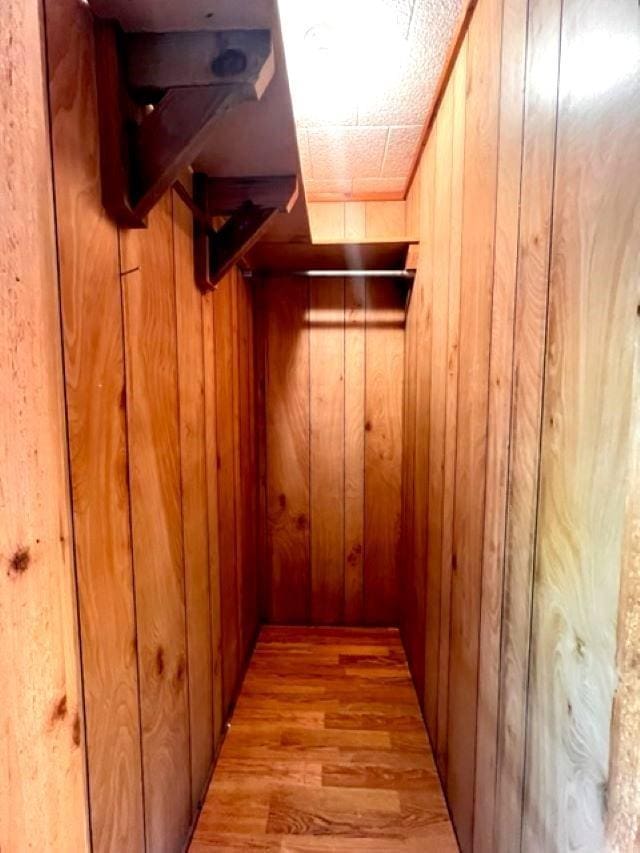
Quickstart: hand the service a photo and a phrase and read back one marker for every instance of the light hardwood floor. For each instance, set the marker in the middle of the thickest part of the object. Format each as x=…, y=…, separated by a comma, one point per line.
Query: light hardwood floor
x=326, y=751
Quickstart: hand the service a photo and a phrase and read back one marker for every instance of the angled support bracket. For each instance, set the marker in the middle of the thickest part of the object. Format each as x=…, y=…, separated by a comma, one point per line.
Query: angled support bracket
x=249, y=203
x=159, y=94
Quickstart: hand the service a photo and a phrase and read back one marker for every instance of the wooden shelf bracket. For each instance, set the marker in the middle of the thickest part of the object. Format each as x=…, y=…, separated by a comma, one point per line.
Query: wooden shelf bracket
x=250, y=205
x=158, y=96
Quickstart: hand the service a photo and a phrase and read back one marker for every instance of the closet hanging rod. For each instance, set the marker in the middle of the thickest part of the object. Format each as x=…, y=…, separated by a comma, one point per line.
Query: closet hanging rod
x=335, y=273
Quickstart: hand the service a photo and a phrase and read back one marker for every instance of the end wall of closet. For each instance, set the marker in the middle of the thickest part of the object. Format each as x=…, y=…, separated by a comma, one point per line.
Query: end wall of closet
x=329, y=361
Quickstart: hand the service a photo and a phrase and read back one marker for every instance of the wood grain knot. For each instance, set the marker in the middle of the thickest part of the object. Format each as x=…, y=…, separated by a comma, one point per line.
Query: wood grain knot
x=282, y=500
x=19, y=563
x=75, y=730
x=180, y=670
x=301, y=522
x=354, y=555
x=368, y=426
x=59, y=709
x=160, y=660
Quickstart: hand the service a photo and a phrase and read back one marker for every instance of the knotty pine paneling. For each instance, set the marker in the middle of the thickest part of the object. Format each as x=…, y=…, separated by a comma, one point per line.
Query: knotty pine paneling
x=440, y=236
x=510, y=144
x=43, y=798
x=354, y=397
x=156, y=523
x=211, y=462
x=326, y=449
x=384, y=362
x=588, y=426
x=232, y=450
x=422, y=300
x=476, y=284
x=458, y=85
x=228, y=485
x=528, y=357
x=286, y=570
x=146, y=467
x=94, y=371
x=193, y=483
x=359, y=221
x=332, y=354
x=538, y=424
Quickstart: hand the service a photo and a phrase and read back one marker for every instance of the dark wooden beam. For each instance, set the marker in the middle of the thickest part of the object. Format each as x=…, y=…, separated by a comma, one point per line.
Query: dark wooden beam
x=143, y=149
x=225, y=195
x=239, y=233
x=205, y=58
x=280, y=258
x=171, y=137
x=202, y=229
x=250, y=204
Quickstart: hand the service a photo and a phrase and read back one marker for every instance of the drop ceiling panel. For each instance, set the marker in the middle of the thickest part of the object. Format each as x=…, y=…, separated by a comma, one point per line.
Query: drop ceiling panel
x=346, y=152
x=363, y=74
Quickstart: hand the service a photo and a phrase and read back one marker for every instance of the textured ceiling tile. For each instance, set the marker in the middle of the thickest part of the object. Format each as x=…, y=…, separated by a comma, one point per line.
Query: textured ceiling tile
x=403, y=104
x=330, y=184
x=400, y=151
x=350, y=152
x=359, y=65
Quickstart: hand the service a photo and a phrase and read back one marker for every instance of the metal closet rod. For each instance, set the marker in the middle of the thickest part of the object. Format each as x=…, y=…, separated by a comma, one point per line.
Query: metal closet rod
x=336, y=273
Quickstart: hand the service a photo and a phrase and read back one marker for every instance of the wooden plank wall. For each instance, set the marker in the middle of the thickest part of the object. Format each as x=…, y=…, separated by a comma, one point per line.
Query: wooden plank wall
x=42, y=758
x=528, y=429
x=329, y=361
x=159, y=389
x=361, y=221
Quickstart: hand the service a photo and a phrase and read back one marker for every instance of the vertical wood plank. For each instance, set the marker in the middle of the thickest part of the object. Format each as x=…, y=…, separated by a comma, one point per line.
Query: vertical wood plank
x=408, y=593
x=237, y=459
x=327, y=221
x=247, y=451
x=458, y=84
x=592, y=333
x=483, y=83
x=211, y=443
x=326, y=448
x=225, y=444
x=385, y=220
x=354, y=221
x=154, y=473
x=260, y=367
x=95, y=395
x=532, y=254
x=498, y=488
x=287, y=448
x=194, y=498
x=43, y=800
x=383, y=448
x=423, y=330
x=354, y=379
x=442, y=132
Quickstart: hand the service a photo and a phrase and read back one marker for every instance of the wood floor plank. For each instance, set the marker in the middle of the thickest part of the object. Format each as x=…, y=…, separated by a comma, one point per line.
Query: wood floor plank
x=326, y=751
